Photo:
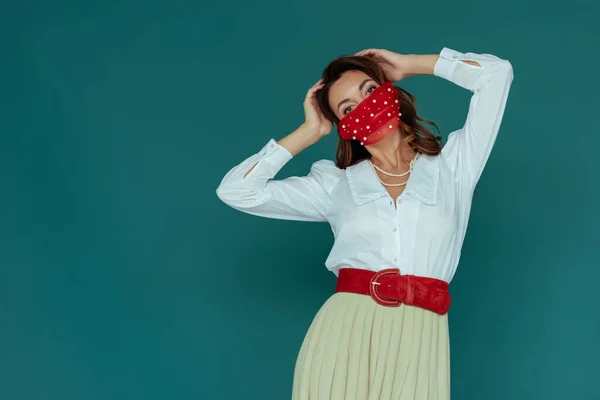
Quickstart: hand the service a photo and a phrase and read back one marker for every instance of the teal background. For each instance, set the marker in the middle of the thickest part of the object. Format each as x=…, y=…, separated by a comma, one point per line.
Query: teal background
x=122, y=276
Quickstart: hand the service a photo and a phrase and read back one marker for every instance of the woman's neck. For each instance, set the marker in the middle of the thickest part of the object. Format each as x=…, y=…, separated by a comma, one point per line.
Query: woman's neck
x=391, y=154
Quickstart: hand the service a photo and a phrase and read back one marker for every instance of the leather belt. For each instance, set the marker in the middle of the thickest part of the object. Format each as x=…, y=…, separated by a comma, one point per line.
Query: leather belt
x=389, y=288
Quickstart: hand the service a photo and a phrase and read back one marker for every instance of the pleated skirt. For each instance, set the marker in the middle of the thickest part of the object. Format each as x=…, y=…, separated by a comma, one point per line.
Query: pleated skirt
x=358, y=349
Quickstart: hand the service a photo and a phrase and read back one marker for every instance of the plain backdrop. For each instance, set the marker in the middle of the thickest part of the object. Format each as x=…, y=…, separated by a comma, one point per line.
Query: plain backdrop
x=122, y=276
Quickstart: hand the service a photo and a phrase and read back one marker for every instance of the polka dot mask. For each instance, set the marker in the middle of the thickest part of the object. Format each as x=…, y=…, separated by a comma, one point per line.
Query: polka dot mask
x=374, y=118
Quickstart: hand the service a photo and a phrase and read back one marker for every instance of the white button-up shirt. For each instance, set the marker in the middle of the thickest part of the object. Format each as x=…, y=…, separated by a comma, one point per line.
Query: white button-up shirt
x=423, y=233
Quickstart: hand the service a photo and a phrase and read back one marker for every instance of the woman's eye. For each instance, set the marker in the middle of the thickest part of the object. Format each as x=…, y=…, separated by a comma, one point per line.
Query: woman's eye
x=369, y=91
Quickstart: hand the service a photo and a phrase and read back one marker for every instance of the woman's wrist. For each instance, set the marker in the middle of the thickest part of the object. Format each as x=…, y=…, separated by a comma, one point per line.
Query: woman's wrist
x=421, y=64
x=301, y=138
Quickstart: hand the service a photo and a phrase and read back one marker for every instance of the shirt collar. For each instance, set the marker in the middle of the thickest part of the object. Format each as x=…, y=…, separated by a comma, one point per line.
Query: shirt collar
x=422, y=183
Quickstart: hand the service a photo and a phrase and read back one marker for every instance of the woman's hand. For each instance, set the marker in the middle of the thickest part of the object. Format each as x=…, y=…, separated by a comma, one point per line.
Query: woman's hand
x=395, y=66
x=315, y=120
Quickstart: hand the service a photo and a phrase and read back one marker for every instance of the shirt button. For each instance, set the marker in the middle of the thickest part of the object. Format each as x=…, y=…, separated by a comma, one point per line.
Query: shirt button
x=395, y=229
x=395, y=259
x=391, y=203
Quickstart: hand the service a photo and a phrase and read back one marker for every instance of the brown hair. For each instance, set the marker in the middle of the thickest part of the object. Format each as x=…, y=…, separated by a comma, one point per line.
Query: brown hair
x=350, y=152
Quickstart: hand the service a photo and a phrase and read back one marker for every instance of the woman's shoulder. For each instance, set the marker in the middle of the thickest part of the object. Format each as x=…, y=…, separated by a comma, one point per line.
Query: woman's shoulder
x=326, y=164
x=326, y=172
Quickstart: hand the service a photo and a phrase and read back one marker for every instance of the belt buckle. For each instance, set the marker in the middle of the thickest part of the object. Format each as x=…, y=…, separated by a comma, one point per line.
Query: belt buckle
x=374, y=283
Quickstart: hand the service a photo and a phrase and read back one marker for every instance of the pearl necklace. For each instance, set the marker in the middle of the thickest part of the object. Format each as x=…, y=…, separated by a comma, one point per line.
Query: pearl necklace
x=410, y=168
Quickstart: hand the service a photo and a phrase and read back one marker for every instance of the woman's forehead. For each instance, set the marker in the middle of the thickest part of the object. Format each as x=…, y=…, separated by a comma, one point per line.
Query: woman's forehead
x=346, y=85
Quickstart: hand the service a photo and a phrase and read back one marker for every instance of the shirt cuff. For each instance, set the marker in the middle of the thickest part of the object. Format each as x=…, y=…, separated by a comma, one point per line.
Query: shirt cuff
x=275, y=154
x=445, y=65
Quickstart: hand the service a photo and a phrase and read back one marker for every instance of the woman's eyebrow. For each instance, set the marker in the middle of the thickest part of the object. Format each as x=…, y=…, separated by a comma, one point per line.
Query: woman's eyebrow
x=359, y=88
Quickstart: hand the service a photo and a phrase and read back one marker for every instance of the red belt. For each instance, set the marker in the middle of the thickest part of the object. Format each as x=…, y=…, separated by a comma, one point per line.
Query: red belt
x=388, y=288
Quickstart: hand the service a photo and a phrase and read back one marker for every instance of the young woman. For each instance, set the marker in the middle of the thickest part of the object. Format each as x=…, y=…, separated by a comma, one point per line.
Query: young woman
x=398, y=204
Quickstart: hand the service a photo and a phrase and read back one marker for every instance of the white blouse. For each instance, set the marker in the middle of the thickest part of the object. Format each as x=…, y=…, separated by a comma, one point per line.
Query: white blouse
x=422, y=233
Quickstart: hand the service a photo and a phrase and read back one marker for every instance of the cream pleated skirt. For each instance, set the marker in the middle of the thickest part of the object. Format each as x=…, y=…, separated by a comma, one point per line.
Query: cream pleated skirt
x=358, y=349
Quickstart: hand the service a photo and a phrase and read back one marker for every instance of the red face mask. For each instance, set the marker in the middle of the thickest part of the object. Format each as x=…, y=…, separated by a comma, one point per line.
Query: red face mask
x=374, y=118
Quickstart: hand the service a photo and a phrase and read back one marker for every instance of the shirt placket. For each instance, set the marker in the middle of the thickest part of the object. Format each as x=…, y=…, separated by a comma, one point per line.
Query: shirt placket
x=392, y=253
x=401, y=229
x=407, y=217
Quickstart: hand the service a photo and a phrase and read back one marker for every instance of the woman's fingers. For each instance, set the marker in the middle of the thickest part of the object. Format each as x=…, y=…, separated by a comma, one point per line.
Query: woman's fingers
x=310, y=100
x=363, y=52
x=368, y=52
x=316, y=86
x=380, y=55
x=313, y=89
x=318, y=83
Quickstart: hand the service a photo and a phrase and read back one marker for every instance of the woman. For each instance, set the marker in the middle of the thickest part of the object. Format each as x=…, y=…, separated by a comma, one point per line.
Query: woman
x=398, y=204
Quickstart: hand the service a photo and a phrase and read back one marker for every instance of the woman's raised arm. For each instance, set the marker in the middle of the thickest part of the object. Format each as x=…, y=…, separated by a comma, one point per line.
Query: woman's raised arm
x=489, y=78
x=250, y=187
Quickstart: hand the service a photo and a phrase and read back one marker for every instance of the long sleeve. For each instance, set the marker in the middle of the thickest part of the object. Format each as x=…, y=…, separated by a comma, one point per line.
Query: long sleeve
x=299, y=198
x=468, y=149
